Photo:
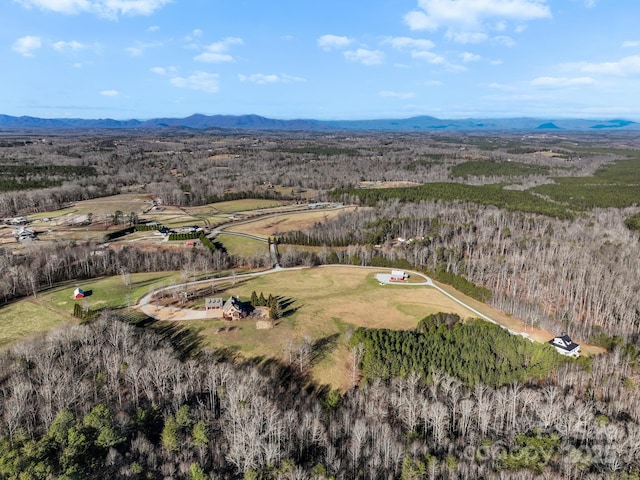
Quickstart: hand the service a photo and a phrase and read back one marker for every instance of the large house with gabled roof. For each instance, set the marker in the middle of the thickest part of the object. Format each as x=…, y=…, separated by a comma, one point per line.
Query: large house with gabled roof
x=565, y=346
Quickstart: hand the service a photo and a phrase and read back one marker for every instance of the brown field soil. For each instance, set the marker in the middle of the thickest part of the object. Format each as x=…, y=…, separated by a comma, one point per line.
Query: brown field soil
x=287, y=222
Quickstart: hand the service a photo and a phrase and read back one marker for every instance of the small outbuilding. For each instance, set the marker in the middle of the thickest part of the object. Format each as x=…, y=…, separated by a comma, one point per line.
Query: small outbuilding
x=398, y=276
x=78, y=293
x=565, y=346
x=213, y=303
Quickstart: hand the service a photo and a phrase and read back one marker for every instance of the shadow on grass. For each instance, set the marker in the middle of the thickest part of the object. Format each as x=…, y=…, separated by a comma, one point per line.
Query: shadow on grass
x=286, y=306
x=183, y=338
x=290, y=380
x=322, y=346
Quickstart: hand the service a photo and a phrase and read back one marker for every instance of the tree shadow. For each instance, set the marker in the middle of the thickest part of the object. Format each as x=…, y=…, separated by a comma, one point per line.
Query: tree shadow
x=286, y=306
x=184, y=339
x=322, y=346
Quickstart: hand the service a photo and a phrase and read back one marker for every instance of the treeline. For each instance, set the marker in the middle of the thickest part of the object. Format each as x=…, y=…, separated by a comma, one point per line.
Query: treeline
x=48, y=265
x=474, y=351
x=111, y=400
x=494, y=168
x=578, y=276
x=30, y=177
x=492, y=194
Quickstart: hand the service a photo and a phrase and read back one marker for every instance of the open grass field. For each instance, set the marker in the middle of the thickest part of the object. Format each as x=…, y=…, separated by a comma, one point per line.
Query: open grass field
x=235, y=206
x=326, y=303
x=242, y=246
x=25, y=318
x=125, y=202
x=287, y=222
x=110, y=292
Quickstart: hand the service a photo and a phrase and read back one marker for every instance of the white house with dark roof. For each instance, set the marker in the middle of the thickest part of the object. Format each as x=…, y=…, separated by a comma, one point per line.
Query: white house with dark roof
x=565, y=346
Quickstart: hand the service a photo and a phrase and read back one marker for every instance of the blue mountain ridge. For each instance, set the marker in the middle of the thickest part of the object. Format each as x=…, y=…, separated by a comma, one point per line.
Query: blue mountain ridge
x=257, y=122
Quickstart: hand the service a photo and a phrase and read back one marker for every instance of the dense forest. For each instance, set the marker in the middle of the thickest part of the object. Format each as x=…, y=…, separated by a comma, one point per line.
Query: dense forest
x=110, y=399
x=543, y=227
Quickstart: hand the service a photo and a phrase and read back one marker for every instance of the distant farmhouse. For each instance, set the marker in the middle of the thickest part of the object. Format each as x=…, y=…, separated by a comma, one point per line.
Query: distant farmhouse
x=398, y=276
x=232, y=309
x=565, y=346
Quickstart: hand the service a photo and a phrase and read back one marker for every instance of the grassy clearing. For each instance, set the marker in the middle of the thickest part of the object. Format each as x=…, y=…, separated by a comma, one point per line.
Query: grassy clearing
x=126, y=203
x=234, y=206
x=286, y=222
x=242, y=246
x=108, y=292
x=25, y=318
x=327, y=302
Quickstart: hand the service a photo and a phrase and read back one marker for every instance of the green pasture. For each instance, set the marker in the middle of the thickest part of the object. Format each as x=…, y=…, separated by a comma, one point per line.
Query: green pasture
x=241, y=246
x=235, y=206
x=110, y=292
x=323, y=304
x=27, y=317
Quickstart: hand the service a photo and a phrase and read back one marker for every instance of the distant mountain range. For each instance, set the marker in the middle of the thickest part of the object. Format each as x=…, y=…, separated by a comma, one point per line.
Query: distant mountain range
x=256, y=122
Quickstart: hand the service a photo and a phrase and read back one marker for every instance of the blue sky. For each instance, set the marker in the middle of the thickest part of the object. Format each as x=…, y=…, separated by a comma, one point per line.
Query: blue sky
x=347, y=59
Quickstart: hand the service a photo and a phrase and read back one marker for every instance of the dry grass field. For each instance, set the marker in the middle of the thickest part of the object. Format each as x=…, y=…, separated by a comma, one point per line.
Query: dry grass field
x=326, y=303
x=287, y=222
x=242, y=246
x=28, y=317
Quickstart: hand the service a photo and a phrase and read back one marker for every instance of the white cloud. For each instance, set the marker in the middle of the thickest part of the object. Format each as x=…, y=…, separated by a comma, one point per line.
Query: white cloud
x=467, y=21
x=625, y=67
x=631, y=44
x=217, y=52
x=261, y=78
x=26, y=45
x=202, y=81
x=429, y=57
x=470, y=57
x=392, y=94
x=401, y=43
x=109, y=93
x=134, y=51
x=153, y=28
x=104, y=8
x=466, y=37
x=365, y=56
x=504, y=40
x=502, y=86
x=331, y=42
x=139, y=48
x=164, y=71
x=562, y=82
x=72, y=45
x=433, y=83
x=417, y=20
x=213, y=57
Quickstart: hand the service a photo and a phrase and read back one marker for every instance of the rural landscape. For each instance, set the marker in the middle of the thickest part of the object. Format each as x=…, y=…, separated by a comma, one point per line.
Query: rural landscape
x=180, y=303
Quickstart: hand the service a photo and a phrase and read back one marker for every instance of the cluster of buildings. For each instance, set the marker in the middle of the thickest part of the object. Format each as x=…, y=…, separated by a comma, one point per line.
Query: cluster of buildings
x=232, y=309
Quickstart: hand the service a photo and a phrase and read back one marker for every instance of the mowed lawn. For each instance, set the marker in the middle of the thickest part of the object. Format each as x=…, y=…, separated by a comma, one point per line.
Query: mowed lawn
x=325, y=304
x=242, y=246
x=110, y=292
x=234, y=206
x=25, y=318
x=287, y=222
